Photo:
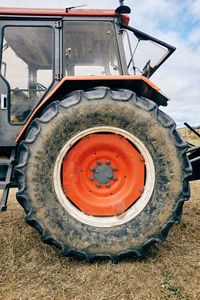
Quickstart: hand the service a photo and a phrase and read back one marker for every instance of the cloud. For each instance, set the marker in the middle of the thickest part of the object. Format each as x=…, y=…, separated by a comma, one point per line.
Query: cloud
x=194, y=37
x=175, y=22
x=59, y=4
x=180, y=78
x=195, y=8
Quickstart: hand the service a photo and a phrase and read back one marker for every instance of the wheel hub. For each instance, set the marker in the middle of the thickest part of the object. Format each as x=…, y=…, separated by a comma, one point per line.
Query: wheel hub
x=103, y=173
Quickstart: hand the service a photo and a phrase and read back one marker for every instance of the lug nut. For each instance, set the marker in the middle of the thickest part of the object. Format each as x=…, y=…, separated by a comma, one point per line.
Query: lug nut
x=65, y=191
x=114, y=169
x=91, y=169
x=141, y=191
x=91, y=178
x=98, y=185
x=108, y=162
x=115, y=178
x=107, y=185
x=65, y=158
x=142, y=159
x=119, y=213
x=98, y=162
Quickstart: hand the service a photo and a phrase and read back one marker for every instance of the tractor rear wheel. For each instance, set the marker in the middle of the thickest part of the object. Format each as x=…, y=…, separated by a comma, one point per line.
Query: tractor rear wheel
x=102, y=173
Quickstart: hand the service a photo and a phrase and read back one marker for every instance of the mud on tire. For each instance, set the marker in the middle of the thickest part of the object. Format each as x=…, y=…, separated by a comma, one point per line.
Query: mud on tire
x=102, y=108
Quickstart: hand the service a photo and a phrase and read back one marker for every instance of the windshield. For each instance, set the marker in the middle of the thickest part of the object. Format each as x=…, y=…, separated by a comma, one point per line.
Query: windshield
x=144, y=54
x=90, y=48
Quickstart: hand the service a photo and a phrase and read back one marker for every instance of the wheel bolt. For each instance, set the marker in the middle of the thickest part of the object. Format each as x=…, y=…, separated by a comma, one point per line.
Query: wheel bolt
x=65, y=158
x=108, y=185
x=91, y=169
x=115, y=178
x=142, y=159
x=119, y=213
x=65, y=191
x=98, y=185
x=91, y=178
x=108, y=162
x=98, y=162
x=141, y=191
x=114, y=169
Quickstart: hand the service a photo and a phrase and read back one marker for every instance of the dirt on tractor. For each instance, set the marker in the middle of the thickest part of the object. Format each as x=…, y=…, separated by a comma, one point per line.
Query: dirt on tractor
x=30, y=269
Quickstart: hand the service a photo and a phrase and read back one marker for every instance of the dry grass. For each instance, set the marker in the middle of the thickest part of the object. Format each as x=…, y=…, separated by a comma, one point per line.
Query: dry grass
x=32, y=270
x=189, y=136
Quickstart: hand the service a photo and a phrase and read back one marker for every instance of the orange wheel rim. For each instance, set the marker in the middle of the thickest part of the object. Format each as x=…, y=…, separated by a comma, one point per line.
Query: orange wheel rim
x=103, y=174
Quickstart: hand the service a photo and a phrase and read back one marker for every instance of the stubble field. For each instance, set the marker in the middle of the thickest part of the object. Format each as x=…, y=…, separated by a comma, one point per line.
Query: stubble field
x=31, y=270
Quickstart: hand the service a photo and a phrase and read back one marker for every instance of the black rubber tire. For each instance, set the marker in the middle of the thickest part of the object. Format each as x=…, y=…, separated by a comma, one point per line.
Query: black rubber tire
x=102, y=107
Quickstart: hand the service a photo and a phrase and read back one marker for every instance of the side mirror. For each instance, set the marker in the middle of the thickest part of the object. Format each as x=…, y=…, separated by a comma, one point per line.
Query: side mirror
x=123, y=10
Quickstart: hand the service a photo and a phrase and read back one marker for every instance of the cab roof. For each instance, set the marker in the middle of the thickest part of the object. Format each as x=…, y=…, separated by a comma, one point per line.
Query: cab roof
x=62, y=12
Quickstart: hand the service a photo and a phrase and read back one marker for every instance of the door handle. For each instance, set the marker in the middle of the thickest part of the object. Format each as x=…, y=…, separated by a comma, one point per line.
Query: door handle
x=3, y=101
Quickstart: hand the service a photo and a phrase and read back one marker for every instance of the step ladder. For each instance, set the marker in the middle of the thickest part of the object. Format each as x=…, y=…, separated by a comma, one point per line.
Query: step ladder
x=5, y=184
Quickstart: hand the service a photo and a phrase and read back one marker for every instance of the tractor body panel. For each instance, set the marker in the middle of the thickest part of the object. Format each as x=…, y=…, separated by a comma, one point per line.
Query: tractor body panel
x=63, y=12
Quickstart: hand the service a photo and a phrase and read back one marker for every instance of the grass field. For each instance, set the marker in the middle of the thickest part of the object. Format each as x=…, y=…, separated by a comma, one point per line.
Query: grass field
x=31, y=270
x=190, y=137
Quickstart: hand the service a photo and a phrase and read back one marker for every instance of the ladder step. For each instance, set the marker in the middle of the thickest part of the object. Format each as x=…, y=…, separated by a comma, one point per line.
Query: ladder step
x=5, y=185
x=3, y=203
x=5, y=162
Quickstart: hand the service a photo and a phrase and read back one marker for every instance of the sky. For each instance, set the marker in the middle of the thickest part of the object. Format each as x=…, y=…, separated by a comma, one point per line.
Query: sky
x=177, y=22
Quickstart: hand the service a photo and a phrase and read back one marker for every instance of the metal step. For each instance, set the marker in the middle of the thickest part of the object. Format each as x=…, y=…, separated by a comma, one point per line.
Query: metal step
x=5, y=184
x=4, y=161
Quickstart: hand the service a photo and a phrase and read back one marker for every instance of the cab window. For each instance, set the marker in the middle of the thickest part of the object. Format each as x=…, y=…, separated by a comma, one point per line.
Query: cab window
x=27, y=65
x=90, y=48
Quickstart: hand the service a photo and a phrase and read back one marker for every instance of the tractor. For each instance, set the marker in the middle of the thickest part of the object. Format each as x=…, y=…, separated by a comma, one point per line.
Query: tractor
x=101, y=171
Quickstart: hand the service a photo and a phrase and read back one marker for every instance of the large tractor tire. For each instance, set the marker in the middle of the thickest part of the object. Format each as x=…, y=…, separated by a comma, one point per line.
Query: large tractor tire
x=103, y=173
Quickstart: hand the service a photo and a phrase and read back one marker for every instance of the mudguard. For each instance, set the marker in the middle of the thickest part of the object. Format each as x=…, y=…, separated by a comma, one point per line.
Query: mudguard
x=141, y=85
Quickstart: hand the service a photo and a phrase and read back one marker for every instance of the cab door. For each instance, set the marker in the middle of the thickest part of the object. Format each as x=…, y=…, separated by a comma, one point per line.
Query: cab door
x=29, y=61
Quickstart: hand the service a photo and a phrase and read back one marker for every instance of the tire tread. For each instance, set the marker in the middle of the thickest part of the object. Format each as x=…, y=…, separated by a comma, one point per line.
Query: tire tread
x=72, y=99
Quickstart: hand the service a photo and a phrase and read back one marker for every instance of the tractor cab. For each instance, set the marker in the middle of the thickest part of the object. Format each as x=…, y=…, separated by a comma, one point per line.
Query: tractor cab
x=36, y=53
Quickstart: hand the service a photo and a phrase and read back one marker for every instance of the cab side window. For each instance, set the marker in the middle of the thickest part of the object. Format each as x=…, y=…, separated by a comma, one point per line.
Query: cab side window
x=27, y=65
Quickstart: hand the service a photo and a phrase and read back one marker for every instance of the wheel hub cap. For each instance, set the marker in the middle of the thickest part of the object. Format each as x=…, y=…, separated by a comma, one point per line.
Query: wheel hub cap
x=103, y=174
